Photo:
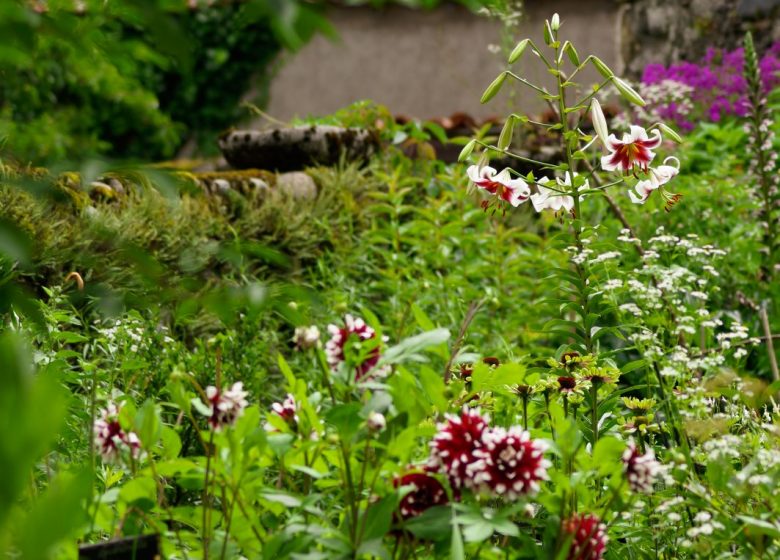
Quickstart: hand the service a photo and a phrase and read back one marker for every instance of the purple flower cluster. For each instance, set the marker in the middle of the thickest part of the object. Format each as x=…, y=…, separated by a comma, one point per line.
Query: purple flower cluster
x=716, y=87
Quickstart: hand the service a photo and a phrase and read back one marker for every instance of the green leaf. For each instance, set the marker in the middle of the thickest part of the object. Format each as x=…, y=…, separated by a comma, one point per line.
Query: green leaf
x=140, y=492
x=147, y=424
x=456, y=547
x=486, y=378
x=286, y=371
x=477, y=531
x=408, y=347
x=760, y=526
x=434, y=524
x=56, y=515
x=282, y=498
x=379, y=517
x=607, y=454
x=346, y=419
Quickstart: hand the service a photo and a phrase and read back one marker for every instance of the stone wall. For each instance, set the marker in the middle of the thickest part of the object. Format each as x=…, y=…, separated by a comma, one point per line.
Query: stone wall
x=670, y=30
x=427, y=64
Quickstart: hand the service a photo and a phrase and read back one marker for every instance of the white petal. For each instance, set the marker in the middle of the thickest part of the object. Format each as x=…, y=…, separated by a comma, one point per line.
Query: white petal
x=639, y=133
x=607, y=165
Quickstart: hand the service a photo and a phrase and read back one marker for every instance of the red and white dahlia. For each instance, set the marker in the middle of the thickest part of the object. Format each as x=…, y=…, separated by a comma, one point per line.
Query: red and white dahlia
x=641, y=470
x=634, y=150
x=513, y=191
x=287, y=410
x=225, y=406
x=110, y=438
x=510, y=464
x=354, y=331
x=453, y=449
x=426, y=492
x=589, y=537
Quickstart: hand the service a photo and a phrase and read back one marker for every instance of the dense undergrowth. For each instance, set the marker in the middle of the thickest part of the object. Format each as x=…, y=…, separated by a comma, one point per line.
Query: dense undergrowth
x=520, y=385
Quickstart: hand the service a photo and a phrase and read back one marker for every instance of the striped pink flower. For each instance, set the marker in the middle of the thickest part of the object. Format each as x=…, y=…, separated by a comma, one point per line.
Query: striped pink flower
x=634, y=150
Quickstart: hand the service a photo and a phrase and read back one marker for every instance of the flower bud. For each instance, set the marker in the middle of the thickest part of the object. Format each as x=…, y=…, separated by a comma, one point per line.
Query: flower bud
x=555, y=22
x=670, y=132
x=376, y=421
x=517, y=52
x=599, y=122
x=505, y=138
x=628, y=92
x=493, y=88
x=602, y=68
x=306, y=337
x=466, y=151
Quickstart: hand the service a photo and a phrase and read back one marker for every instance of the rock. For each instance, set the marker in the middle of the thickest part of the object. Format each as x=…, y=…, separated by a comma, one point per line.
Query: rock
x=668, y=31
x=298, y=185
x=293, y=149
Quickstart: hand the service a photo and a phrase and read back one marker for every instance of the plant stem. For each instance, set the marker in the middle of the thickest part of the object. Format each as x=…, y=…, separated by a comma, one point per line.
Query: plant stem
x=205, y=499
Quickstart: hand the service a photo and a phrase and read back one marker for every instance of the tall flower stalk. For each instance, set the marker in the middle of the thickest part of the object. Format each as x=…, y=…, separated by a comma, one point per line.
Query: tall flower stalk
x=763, y=158
x=590, y=165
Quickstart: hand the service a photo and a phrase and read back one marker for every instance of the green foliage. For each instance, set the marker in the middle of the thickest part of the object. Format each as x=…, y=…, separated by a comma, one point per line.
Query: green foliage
x=134, y=79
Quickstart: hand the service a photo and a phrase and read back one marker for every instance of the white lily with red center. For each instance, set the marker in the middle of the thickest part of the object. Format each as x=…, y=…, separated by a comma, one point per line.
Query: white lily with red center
x=554, y=198
x=513, y=191
x=656, y=179
x=634, y=150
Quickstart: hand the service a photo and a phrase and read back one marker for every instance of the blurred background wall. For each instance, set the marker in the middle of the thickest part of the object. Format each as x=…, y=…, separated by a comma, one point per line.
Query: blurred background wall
x=428, y=64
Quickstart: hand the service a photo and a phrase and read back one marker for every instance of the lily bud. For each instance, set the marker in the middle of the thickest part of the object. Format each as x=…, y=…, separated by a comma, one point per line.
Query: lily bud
x=505, y=138
x=466, y=151
x=493, y=88
x=628, y=92
x=669, y=131
x=599, y=121
x=517, y=52
x=602, y=68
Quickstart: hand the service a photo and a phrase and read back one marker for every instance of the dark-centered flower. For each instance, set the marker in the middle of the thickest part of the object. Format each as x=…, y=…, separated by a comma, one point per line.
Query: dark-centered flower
x=589, y=537
x=426, y=492
x=111, y=440
x=287, y=410
x=354, y=331
x=510, y=464
x=641, y=469
x=454, y=446
x=225, y=405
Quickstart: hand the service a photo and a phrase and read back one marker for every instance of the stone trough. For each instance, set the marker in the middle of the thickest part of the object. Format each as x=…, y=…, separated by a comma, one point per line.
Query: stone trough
x=294, y=148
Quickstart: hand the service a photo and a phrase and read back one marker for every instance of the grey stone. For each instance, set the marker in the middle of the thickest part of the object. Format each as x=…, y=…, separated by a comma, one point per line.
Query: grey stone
x=295, y=148
x=298, y=185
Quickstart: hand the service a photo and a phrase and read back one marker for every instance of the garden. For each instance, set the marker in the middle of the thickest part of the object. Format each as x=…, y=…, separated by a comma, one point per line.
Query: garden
x=549, y=334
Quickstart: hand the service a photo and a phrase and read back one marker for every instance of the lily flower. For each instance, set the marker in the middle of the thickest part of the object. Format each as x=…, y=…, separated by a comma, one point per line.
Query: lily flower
x=513, y=191
x=657, y=178
x=635, y=149
x=552, y=198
